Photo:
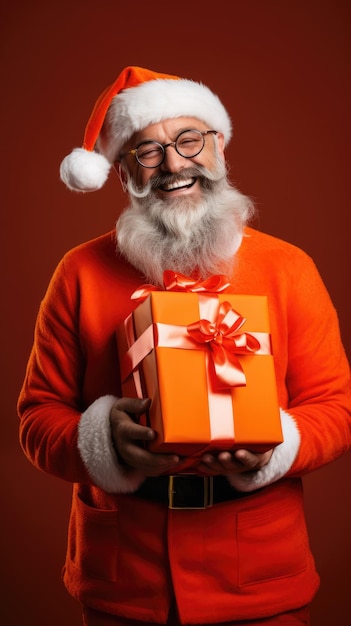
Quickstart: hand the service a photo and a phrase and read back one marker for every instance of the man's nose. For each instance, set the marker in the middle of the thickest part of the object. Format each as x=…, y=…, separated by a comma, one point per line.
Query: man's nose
x=173, y=162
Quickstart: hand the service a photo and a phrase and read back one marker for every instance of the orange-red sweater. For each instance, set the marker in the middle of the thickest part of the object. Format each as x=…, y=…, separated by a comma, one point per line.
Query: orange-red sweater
x=239, y=560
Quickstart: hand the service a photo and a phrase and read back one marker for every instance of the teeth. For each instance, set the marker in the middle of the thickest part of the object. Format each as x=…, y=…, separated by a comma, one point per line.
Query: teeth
x=183, y=183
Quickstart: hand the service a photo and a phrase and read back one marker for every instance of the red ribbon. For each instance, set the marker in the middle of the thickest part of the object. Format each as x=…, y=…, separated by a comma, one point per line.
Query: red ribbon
x=222, y=336
x=225, y=341
x=173, y=281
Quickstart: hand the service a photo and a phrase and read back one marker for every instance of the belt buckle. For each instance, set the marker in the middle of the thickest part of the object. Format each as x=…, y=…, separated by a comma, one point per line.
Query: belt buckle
x=203, y=497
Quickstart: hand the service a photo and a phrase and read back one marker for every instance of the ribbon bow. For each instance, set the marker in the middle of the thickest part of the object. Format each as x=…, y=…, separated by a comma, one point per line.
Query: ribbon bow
x=225, y=341
x=172, y=281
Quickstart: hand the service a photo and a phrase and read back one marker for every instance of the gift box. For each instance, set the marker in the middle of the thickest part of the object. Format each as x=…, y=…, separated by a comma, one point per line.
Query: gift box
x=206, y=362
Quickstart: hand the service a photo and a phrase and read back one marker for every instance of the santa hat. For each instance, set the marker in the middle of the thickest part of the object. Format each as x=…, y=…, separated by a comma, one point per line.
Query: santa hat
x=138, y=98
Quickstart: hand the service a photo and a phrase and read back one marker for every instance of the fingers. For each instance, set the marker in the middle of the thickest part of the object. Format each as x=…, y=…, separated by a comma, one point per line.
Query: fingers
x=238, y=461
x=138, y=457
x=129, y=436
x=221, y=464
x=132, y=406
x=148, y=463
x=127, y=429
x=125, y=415
x=124, y=423
x=251, y=460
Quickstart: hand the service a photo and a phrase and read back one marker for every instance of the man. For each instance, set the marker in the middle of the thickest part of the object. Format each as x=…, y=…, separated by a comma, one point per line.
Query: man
x=131, y=559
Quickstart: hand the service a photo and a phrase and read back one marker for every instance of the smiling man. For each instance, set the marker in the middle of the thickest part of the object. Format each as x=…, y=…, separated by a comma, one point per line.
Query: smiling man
x=244, y=557
x=182, y=206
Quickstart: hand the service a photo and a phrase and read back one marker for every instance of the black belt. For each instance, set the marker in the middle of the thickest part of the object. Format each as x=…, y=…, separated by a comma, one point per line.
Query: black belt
x=188, y=491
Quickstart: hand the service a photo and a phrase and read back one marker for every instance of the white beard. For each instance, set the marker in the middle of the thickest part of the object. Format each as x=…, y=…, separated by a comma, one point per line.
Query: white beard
x=184, y=234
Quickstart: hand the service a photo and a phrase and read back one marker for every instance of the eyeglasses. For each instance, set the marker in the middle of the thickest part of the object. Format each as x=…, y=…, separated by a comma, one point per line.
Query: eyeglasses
x=188, y=144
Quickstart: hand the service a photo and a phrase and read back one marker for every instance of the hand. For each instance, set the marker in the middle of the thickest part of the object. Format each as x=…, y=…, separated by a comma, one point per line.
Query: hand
x=129, y=437
x=236, y=462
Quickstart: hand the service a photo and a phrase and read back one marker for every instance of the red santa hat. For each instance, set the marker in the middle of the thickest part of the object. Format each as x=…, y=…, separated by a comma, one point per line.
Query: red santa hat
x=138, y=98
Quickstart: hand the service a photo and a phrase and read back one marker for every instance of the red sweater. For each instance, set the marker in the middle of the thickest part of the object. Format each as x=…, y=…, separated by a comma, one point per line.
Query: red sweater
x=242, y=559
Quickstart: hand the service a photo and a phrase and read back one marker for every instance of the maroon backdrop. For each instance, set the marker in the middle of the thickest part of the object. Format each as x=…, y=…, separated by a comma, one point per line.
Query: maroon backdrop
x=282, y=70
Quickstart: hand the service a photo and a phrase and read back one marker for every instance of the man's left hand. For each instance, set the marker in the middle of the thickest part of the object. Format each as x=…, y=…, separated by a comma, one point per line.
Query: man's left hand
x=236, y=462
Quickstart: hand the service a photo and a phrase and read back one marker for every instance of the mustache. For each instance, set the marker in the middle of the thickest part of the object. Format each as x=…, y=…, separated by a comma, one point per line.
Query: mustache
x=206, y=177
x=196, y=171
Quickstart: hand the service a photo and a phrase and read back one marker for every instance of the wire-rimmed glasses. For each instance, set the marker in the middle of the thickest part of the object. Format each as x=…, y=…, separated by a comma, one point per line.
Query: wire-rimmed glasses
x=188, y=144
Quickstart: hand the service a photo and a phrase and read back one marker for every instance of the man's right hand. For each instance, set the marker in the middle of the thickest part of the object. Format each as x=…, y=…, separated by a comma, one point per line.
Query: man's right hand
x=129, y=439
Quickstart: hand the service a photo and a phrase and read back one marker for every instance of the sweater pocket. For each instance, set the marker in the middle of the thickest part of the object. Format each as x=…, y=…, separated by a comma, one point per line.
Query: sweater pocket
x=93, y=545
x=272, y=542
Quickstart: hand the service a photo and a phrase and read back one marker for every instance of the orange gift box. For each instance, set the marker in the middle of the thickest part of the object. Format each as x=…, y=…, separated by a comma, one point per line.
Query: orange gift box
x=211, y=382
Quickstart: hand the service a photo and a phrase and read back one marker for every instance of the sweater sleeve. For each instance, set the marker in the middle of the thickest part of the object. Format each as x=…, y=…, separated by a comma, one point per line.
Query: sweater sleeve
x=316, y=415
x=318, y=375
x=58, y=432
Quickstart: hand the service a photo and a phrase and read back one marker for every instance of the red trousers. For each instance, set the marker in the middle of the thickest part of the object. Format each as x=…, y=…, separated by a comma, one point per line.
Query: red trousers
x=292, y=618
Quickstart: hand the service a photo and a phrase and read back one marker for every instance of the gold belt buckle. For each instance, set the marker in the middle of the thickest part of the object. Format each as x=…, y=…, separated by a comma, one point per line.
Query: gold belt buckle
x=202, y=496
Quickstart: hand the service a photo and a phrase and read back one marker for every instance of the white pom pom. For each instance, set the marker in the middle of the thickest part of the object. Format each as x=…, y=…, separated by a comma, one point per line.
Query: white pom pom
x=84, y=171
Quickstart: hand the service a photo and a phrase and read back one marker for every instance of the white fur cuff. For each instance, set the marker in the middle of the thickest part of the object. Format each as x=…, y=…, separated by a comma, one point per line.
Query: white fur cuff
x=280, y=462
x=97, y=452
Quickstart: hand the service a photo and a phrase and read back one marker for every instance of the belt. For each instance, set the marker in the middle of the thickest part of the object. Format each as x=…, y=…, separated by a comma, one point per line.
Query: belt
x=188, y=491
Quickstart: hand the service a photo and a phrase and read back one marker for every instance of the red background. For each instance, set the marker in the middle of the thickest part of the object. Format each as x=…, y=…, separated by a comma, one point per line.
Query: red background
x=282, y=70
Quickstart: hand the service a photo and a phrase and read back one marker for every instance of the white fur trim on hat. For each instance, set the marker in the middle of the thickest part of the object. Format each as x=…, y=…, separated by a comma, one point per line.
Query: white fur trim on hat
x=82, y=170
x=279, y=464
x=97, y=451
x=151, y=102
x=135, y=100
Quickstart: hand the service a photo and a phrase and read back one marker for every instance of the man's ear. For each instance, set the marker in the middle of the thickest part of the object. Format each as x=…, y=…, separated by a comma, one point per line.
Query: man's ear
x=220, y=144
x=121, y=175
